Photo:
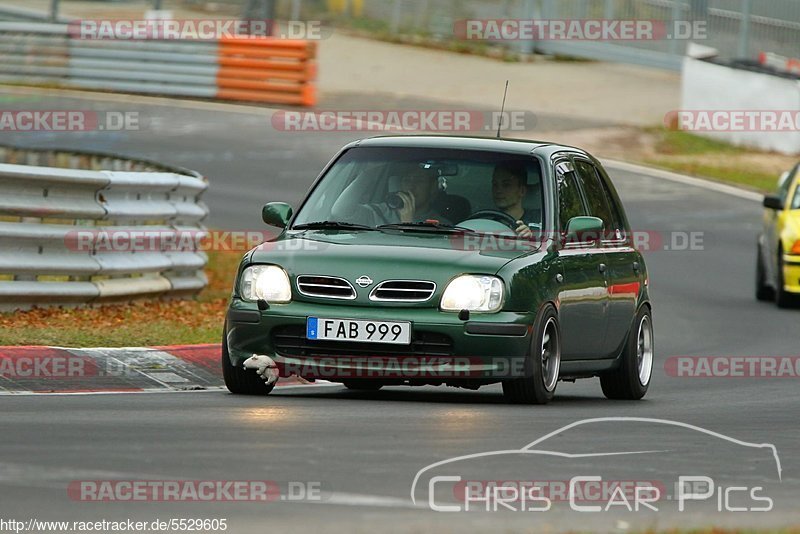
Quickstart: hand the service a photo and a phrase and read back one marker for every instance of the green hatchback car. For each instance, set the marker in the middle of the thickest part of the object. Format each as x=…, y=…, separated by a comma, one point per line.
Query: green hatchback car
x=444, y=260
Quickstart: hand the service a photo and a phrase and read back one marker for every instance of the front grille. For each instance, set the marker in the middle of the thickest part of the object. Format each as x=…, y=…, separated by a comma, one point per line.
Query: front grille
x=403, y=291
x=292, y=341
x=325, y=286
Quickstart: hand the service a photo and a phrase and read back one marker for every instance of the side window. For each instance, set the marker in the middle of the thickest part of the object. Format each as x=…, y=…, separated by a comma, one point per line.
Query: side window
x=569, y=196
x=786, y=184
x=796, y=201
x=596, y=195
x=616, y=208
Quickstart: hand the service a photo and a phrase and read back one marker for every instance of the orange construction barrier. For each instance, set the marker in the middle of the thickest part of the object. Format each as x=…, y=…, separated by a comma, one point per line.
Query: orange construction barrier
x=264, y=69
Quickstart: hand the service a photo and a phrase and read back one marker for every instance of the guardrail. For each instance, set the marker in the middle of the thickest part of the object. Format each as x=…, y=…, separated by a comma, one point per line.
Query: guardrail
x=243, y=68
x=45, y=212
x=16, y=13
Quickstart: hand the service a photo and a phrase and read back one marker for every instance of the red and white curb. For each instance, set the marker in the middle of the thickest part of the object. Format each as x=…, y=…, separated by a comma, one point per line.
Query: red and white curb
x=38, y=369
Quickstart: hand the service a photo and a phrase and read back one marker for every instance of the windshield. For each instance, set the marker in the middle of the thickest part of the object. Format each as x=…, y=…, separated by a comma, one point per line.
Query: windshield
x=415, y=188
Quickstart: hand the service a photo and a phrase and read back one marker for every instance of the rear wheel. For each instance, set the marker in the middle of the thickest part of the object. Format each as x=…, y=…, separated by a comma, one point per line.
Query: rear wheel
x=239, y=380
x=542, y=363
x=631, y=379
x=763, y=291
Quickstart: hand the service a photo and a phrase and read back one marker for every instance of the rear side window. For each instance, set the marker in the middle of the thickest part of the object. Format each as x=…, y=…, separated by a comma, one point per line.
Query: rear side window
x=569, y=196
x=597, y=196
x=783, y=189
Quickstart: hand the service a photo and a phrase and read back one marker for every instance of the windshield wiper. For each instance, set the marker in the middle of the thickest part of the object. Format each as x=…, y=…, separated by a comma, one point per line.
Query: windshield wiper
x=332, y=225
x=427, y=226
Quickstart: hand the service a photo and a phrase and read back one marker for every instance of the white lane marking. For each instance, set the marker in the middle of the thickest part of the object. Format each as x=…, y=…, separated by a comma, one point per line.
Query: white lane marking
x=683, y=179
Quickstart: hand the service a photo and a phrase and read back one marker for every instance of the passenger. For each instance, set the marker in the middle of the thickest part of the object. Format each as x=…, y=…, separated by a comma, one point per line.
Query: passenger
x=509, y=187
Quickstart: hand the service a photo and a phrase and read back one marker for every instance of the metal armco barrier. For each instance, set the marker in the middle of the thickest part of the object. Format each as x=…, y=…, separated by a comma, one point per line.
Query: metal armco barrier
x=44, y=211
x=254, y=69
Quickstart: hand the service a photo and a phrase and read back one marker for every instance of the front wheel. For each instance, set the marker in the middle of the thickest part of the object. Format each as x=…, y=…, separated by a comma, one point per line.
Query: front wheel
x=631, y=379
x=783, y=298
x=763, y=291
x=241, y=381
x=542, y=363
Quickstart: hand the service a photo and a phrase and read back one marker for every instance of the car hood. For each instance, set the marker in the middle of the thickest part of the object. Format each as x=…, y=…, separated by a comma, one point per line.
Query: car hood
x=386, y=255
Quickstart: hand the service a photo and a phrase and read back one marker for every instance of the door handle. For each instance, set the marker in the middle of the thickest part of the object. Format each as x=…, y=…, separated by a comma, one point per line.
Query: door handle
x=636, y=266
x=602, y=267
x=559, y=278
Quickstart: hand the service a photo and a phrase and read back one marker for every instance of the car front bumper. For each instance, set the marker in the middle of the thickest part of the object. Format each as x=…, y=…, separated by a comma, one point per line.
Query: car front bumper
x=791, y=273
x=445, y=349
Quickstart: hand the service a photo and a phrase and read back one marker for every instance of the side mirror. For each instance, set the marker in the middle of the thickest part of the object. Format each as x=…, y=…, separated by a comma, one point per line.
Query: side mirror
x=582, y=229
x=773, y=202
x=276, y=214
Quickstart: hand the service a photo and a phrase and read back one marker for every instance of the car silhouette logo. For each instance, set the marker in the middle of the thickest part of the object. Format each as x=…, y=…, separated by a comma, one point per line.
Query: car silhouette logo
x=364, y=281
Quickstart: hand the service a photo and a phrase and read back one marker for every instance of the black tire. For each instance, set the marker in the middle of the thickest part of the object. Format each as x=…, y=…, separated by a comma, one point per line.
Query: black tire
x=241, y=381
x=783, y=298
x=626, y=381
x=763, y=291
x=363, y=385
x=542, y=362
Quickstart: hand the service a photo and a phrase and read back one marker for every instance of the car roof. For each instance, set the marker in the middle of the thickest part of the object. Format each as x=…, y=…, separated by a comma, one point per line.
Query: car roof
x=491, y=144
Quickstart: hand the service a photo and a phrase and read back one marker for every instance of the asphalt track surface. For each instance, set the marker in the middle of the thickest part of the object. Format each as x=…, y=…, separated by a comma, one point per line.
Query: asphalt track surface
x=364, y=449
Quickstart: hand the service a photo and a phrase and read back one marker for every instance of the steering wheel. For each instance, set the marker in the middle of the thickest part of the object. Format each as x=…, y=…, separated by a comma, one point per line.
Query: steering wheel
x=494, y=215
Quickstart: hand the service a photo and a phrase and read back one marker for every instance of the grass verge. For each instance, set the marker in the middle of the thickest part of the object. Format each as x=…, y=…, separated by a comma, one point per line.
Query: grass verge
x=141, y=323
x=691, y=154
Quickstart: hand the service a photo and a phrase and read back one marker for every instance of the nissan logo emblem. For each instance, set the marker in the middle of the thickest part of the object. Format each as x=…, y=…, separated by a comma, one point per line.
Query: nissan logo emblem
x=364, y=281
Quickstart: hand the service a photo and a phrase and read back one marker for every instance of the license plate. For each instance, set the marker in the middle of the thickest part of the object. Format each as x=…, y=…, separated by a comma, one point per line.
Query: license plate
x=359, y=330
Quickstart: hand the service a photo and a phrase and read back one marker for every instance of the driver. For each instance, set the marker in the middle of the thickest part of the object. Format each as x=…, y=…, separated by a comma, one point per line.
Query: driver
x=419, y=188
x=416, y=200
x=509, y=187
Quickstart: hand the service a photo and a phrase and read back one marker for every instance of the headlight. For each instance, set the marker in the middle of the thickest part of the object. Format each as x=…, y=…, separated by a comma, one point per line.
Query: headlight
x=267, y=282
x=473, y=293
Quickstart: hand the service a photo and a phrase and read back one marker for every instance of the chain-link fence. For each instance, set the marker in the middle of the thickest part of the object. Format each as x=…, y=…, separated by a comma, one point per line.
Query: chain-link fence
x=737, y=28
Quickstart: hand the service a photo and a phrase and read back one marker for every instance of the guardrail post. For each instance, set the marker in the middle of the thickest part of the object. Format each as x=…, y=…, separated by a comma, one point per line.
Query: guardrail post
x=527, y=13
x=676, y=15
x=54, y=10
x=394, y=27
x=608, y=10
x=744, y=29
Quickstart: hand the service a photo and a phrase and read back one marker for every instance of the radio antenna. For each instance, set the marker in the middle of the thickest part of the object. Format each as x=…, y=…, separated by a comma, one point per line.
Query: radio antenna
x=502, y=110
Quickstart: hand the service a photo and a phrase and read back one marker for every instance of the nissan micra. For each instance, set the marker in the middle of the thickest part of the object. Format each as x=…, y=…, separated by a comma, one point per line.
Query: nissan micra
x=443, y=260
